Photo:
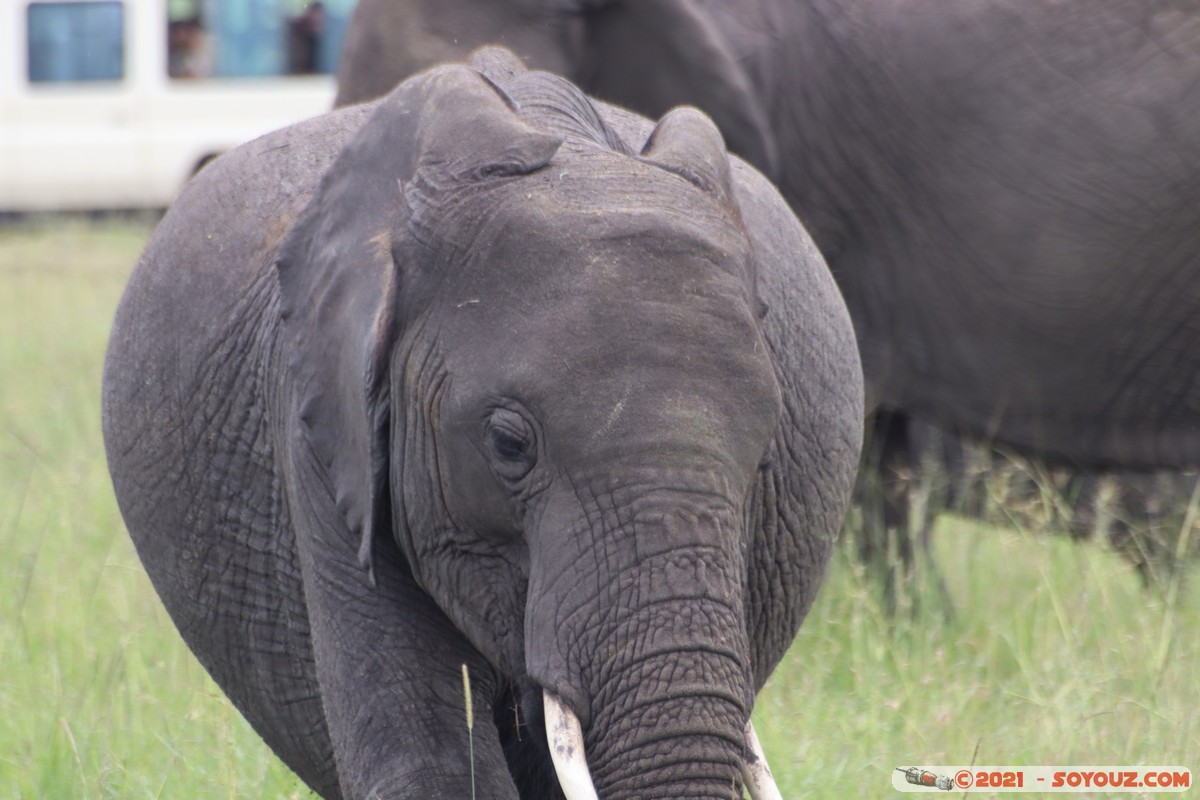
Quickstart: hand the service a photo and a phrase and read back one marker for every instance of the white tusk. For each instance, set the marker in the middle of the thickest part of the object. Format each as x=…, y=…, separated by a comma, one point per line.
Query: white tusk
x=755, y=771
x=565, y=736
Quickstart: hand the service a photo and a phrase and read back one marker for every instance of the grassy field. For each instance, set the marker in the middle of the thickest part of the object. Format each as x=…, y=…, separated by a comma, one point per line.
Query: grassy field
x=1056, y=655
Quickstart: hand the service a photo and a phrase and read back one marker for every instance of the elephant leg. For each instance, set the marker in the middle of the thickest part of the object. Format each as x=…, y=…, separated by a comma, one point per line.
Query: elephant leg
x=900, y=496
x=1149, y=518
x=389, y=664
x=942, y=478
x=884, y=543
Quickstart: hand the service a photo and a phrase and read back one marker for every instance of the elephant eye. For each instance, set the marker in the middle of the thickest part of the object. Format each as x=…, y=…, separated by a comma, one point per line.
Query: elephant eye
x=511, y=442
x=507, y=446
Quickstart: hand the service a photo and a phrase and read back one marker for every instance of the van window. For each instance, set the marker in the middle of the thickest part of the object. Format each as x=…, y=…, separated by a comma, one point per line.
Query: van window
x=71, y=42
x=254, y=38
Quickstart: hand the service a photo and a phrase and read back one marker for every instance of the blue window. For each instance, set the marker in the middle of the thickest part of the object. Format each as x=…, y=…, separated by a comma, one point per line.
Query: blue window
x=76, y=42
x=254, y=38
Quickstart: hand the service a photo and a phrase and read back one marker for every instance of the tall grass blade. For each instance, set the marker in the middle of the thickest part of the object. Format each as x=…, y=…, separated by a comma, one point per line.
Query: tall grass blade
x=470, y=724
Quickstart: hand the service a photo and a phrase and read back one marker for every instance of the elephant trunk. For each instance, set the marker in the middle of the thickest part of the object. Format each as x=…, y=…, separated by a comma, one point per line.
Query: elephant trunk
x=565, y=737
x=678, y=733
x=655, y=657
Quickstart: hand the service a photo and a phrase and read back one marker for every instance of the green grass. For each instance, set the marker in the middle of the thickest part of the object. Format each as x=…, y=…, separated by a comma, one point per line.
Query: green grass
x=1056, y=656
x=98, y=696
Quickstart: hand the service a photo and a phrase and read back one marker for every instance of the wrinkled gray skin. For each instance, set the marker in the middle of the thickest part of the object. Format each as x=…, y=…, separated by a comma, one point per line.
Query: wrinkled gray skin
x=460, y=377
x=1008, y=195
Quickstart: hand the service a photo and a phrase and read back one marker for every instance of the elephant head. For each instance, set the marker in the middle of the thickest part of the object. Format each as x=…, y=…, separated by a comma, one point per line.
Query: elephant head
x=533, y=358
x=648, y=56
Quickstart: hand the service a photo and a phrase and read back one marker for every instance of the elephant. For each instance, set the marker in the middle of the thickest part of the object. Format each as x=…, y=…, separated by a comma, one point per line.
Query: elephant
x=485, y=378
x=1008, y=196
x=1146, y=517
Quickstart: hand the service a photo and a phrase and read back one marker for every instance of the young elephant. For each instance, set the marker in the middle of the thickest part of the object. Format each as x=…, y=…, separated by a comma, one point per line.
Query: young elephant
x=487, y=374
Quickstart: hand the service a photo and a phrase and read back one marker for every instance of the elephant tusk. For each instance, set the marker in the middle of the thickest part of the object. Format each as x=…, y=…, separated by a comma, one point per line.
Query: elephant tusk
x=565, y=736
x=755, y=771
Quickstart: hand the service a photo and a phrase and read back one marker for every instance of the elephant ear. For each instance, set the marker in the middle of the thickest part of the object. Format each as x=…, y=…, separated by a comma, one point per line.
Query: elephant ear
x=687, y=143
x=652, y=55
x=497, y=64
x=342, y=290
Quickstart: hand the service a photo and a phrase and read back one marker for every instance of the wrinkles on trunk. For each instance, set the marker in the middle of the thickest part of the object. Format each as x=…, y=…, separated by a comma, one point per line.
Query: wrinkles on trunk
x=639, y=625
x=670, y=724
x=671, y=688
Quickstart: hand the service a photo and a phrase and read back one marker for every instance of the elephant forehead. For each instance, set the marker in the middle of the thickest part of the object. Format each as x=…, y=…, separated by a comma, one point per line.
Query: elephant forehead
x=548, y=253
x=586, y=200
x=644, y=284
x=622, y=277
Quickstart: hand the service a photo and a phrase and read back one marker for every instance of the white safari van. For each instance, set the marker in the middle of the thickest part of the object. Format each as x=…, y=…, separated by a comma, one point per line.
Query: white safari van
x=116, y=103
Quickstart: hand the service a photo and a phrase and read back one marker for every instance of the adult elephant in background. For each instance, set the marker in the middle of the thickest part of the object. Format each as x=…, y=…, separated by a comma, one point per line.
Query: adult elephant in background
x=1008, y=195
x=486, y=374
x=616, y=51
